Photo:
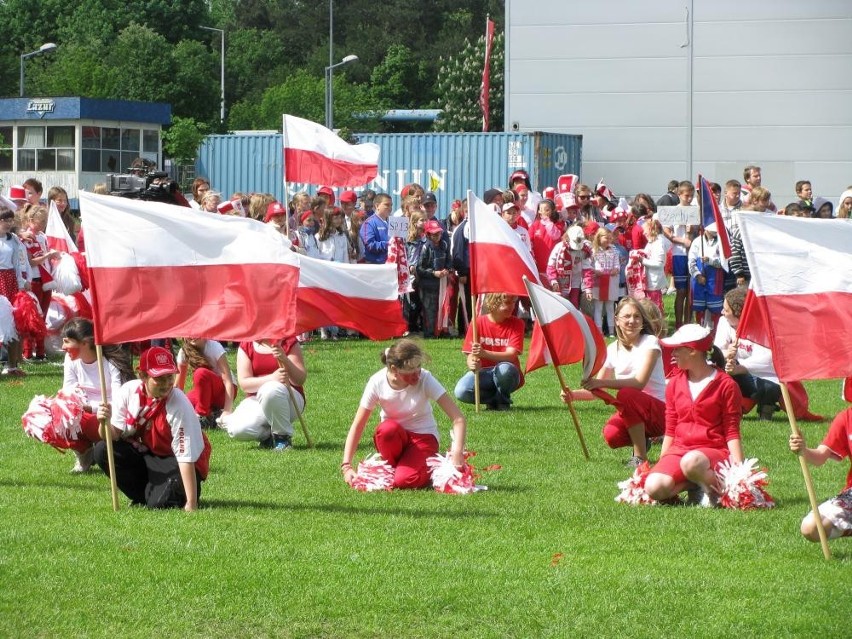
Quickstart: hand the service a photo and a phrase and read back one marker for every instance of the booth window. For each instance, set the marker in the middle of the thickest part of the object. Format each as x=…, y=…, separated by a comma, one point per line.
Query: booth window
x=113, y=149
x=45, y=148
x=5, y=148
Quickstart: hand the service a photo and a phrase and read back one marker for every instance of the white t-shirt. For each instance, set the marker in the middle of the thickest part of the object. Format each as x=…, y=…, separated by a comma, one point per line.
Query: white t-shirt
x=626, y=364
x=212, y=352
x=755, y=358
x=78, y=373
x=410, y=406
x=187, y=440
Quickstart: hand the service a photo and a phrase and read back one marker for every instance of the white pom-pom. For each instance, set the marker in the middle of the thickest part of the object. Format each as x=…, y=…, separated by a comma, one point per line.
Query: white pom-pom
x=55, y=420
x=633, y=489
x=743, y=485
x=66, y=275
x=374, y=473
x=8, y=332
x=446, y=478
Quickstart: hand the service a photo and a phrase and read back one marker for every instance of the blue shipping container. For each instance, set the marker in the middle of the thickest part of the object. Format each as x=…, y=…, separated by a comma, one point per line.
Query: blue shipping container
x=446, y=163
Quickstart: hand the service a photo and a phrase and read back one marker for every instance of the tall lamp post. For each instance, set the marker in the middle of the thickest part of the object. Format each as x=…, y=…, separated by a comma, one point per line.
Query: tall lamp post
x=221, y=32
x=329, y=90
x=45, y=48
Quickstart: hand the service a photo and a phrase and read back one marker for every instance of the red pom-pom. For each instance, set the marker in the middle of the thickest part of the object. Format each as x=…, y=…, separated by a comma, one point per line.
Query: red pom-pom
x=633, y=489
x=27, y=314
x=374, y=473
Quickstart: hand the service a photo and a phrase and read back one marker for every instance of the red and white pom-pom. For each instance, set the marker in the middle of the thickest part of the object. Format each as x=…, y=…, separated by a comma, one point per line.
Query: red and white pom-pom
x=55, y=420
x=743, y=485
x=446, y=478
x=374, y=473
x=27, y=313
x=633, y=489
x=66, y=275
x=8, y=332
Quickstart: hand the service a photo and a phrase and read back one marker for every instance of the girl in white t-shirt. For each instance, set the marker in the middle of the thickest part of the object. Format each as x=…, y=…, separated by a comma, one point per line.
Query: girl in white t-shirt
x=213, y=390
x=407, y=434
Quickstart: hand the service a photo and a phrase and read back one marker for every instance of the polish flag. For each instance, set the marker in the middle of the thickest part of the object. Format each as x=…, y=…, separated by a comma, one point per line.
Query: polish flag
x=710, y=214
x=801, y=291
x=562, y=334
x=498, y=257
x=362, y=297
x=315, y=155
x=56, y=232
x=159, y=270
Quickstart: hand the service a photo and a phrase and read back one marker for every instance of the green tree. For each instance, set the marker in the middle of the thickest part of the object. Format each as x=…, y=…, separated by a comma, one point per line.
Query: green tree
x=182, y=139
x=139, y=65
x=459, y=85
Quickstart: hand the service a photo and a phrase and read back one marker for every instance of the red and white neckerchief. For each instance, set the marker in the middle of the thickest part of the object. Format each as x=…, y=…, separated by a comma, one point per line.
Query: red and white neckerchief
x=635, y=275
x=396, y=255
x=149, y=408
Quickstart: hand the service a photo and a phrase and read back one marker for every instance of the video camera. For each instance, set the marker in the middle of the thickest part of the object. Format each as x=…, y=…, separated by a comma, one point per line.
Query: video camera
x=152, y=186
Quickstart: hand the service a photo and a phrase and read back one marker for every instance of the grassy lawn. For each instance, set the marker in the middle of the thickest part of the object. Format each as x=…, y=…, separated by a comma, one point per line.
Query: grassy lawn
x=282, y=548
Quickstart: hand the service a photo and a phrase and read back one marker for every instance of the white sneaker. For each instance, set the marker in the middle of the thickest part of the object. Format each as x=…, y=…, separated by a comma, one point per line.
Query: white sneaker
x=84, y=461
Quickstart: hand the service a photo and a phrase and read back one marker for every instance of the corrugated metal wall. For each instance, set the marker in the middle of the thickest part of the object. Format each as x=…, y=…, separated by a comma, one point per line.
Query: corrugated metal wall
x=447, y=163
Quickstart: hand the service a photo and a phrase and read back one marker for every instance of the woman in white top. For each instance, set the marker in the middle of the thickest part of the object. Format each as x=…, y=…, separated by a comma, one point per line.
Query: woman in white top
x=634, y=369
x=656, y=249
x=407, y=434
x=80, y=370
x=213, y=390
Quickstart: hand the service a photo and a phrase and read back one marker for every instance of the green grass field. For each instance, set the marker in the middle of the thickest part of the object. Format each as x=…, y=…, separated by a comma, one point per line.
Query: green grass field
x=283, y=548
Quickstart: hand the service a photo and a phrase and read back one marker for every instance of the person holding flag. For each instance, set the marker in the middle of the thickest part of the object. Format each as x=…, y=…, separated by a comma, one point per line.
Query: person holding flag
x=161, y=454
x=836, y=513
x=707, y=276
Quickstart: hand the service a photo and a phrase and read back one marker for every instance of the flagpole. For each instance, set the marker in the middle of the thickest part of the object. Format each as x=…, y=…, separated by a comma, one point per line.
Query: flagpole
x=809, y=484
x=106, y=431
x=286, y=188
x=475, y=341
x=292, y=395
x=561, y=379
x=472, y=279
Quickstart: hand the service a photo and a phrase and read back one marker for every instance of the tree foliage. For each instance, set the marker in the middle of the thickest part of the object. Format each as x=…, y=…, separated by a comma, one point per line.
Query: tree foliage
x=276, y=54
x=183, y=138
x=460, y=83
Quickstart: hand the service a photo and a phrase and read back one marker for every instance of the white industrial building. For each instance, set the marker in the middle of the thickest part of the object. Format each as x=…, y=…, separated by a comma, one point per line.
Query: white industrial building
x=667, y=89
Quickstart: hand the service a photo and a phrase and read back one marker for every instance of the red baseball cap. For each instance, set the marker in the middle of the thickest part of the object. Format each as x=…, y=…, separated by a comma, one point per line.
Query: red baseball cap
x=432, y=227
x=326, y=190
x=348, y=196
x=274, y=208
x=157, y=361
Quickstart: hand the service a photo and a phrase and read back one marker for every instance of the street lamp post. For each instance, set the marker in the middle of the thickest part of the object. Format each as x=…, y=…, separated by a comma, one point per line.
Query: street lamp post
x=221, y=32
x=329, y=90
x=45, y=48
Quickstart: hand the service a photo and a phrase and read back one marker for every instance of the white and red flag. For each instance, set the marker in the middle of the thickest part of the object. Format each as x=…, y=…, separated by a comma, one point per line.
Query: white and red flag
x=485, y=88
x=56, y=232
x=562, y=334
x=362, y=297
x=315, y=155
x=801, y=294
x=498, y=257
x=158, y=270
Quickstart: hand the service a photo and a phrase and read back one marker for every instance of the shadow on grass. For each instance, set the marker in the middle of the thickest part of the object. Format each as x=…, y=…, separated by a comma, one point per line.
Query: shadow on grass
x=349, y=510
x=50, y=484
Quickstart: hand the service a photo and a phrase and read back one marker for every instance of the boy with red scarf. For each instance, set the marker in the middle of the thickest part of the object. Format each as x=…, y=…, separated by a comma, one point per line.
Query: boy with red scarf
x=161, y=454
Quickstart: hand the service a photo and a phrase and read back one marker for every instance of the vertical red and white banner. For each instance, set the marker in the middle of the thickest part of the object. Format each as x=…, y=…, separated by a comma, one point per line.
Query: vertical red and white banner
x=485, y=89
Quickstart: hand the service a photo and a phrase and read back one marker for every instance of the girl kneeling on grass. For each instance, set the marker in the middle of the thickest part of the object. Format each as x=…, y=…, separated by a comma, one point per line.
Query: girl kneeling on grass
x=80, y=370
x=836, y=513
x=702, y=421
x=213, y=389
x=407, y=434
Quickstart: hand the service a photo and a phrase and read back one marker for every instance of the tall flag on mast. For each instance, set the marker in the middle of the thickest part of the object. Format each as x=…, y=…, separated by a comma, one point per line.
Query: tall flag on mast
x=486, y=75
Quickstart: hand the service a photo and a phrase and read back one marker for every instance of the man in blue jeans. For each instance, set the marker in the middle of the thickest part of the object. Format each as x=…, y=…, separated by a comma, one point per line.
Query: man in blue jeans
x=495, y=356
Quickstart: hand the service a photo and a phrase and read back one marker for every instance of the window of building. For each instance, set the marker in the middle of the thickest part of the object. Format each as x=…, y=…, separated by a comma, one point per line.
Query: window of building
x=5, y=148
x=46, y=148
x=113, y=150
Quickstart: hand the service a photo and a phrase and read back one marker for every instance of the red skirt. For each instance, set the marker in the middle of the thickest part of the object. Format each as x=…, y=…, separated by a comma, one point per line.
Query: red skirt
x=8, y=284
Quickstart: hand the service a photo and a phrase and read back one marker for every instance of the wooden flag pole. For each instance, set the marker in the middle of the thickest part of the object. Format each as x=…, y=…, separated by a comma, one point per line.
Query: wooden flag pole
x=809, y=484
x=106, y=430
x=475, y=340
x=561, y=379
x=302, y=423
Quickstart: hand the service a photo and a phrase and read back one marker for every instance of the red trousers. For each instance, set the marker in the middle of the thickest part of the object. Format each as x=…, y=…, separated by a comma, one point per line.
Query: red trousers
x=33, y=346
x=635, y=408
x=406, y=452
x=208, y=391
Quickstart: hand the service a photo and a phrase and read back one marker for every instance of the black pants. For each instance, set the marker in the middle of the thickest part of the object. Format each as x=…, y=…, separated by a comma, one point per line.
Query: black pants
x=146, y=479
x=762, y=391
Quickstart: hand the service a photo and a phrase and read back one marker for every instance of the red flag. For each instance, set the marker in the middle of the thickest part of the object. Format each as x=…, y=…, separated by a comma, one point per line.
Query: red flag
x=562, y=334
x=485, y=89
x=315, y=155
x=159, y=270
x=801, y=294
x=710, y=214
x=362, y=297
x=498, y=257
